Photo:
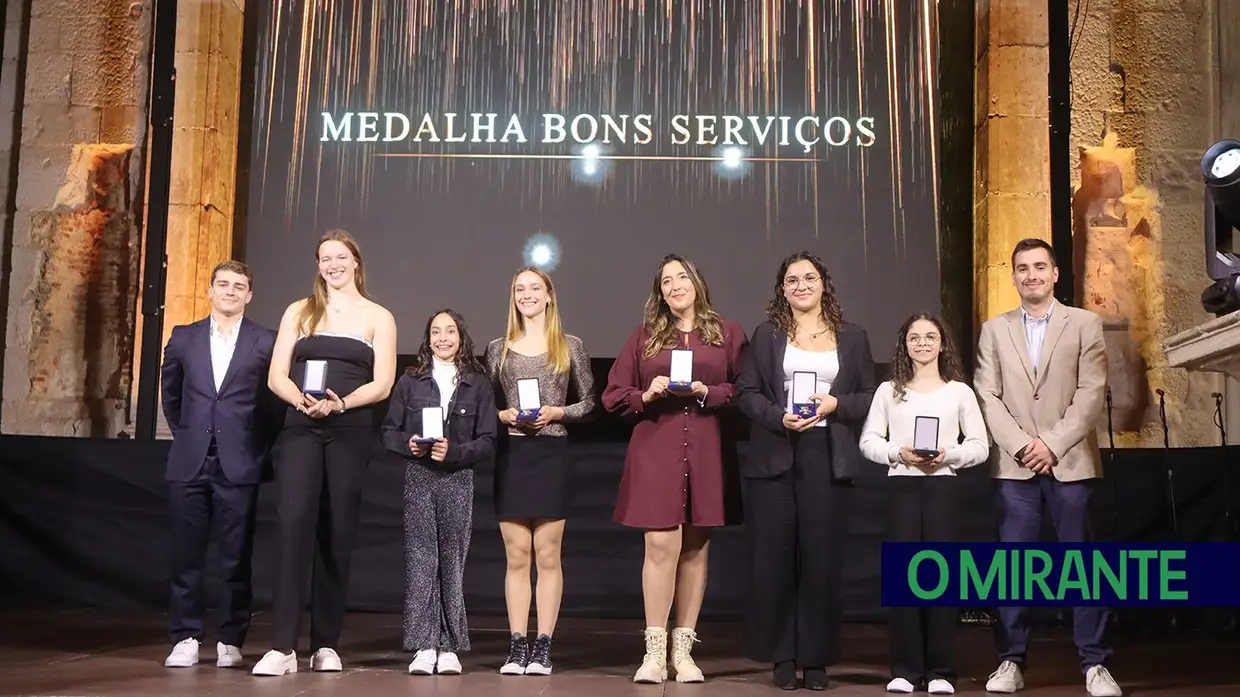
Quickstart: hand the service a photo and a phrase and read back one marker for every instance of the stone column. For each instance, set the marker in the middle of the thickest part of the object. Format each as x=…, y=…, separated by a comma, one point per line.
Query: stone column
x=204, y=155
x=1012, y=176
x=73, y=285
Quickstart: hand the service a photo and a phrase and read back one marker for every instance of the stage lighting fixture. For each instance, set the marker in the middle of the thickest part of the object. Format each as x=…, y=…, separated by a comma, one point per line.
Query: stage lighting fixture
x=1221, y=169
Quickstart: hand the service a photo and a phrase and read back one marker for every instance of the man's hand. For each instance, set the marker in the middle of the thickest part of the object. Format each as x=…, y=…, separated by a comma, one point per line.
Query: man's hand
x=1037, y=457
x=439, y=450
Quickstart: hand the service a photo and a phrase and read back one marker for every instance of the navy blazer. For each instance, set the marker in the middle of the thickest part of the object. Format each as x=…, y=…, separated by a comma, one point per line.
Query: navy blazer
x=242, y=417
x=762, y=397
x=472, y=421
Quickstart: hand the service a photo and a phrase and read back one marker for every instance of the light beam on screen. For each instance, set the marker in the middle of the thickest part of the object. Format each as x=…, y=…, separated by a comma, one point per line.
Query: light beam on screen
x=542, y=251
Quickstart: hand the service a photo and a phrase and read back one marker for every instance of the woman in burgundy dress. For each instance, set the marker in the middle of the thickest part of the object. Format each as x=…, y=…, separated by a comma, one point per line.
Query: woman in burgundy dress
x=673, y=483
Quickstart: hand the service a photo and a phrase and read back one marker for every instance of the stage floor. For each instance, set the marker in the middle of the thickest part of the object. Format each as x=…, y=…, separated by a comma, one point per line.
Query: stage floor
x=97, y=653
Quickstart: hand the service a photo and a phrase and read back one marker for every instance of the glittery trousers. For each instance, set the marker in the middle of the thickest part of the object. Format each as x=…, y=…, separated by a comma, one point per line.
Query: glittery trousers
x=438, y=522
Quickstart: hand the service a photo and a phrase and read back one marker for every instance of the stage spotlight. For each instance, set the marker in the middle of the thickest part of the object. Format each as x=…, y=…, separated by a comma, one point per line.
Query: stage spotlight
x=1221, y=169
x=542, y=251
x=590, y=167
x=731, y=163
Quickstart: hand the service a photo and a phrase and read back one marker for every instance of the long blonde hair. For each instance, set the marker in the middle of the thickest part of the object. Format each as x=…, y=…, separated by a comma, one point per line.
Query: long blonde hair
x=311, y=313
x=557, y=346
x=661, y=329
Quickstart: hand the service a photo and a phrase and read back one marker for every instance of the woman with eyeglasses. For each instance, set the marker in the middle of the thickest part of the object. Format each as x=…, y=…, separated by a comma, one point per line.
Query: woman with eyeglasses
x=927, y=383
x=802, y=459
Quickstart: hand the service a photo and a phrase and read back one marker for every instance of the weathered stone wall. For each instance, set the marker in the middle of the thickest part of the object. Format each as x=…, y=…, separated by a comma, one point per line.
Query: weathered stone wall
x=72, y=286
x=1144, y=109
x=71, y=317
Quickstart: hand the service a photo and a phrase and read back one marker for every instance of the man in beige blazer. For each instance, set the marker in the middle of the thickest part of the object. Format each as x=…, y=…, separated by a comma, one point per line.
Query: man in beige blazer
x=1041, y=378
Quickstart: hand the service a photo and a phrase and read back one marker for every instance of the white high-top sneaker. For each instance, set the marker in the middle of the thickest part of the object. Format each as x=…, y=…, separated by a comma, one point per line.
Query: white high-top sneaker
x=654, y=664
x=184, y=654
x=686, y=669
x=1099, y=683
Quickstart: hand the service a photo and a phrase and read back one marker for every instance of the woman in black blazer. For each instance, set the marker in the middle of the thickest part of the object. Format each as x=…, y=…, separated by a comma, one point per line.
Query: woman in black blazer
x=799, y=470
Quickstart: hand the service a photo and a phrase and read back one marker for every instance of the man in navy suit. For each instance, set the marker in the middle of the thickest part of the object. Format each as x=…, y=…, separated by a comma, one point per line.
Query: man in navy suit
x=222, y=418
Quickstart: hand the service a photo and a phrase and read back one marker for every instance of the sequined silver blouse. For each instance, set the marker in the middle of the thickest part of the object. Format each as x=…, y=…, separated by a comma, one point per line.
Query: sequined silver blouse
x=552, y=387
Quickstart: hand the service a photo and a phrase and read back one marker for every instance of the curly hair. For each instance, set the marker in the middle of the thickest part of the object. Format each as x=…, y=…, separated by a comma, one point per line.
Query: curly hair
x=902, y=369
x=780, y=312
x=466, y=360
x=661, y=328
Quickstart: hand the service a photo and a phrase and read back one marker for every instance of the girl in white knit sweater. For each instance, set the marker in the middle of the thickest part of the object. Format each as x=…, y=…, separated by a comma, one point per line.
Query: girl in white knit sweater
x=926, y=381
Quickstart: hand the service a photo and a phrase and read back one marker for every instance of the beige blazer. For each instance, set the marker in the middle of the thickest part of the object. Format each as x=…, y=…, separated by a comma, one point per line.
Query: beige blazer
x=1061, y=402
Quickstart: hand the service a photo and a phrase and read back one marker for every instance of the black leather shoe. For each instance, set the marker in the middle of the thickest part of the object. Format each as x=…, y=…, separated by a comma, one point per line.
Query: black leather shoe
x=786, y=675
x=815, y=678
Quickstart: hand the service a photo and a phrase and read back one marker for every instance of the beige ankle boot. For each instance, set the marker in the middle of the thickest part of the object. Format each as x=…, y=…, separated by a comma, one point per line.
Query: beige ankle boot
x=686, y=670
x=654, y=663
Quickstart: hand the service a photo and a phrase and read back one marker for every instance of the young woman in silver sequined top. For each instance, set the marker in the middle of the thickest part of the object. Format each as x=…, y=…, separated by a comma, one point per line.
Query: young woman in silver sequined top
x=534, y=475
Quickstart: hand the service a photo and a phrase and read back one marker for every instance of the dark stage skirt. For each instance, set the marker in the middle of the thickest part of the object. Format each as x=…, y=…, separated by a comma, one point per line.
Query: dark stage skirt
x=534, y=478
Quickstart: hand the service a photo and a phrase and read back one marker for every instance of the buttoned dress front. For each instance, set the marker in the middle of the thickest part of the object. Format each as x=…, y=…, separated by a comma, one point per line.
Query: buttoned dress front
x=675, y=472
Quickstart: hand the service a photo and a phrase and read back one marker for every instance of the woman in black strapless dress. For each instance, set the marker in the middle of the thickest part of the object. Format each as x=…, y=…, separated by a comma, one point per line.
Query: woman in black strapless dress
x=323, y=452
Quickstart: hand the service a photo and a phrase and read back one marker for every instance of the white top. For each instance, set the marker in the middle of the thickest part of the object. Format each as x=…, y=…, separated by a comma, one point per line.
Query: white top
x=222, y=348
x=445, y=378
x=1035, y=333
x=889, y=427
x=826, y=364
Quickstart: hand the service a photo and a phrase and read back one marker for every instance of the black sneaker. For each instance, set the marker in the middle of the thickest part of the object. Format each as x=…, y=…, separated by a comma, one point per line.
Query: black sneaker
x=540, y=657
x=518, y=656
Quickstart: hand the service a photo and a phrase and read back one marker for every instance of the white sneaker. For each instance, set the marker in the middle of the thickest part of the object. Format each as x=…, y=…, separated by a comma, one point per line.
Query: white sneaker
x=939, y=686
x=1006, y=679
x=1099, y=683
x=227, y=656
x=899, y=685
x=184, y=654
x=448, y=664
x=423, y=663
x=275, y=663
x=325, y=660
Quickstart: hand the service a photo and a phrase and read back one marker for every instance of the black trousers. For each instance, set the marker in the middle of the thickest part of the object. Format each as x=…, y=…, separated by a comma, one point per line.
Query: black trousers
x=319, y=476
x=196, y=508
x=922, y=639
x=797, y=534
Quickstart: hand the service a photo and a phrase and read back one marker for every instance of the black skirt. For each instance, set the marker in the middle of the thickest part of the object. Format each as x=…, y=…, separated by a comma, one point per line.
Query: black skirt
x=533, y=478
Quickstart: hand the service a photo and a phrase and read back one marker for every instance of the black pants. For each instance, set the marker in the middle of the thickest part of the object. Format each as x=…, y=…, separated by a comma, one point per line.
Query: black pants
x=797, y=523
x=211, y=502
x=319, y=475
x=923, y=509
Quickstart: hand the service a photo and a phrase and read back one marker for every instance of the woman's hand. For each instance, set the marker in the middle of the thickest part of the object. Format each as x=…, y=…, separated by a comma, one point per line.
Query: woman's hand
x=657, y=389
x=546, y=415
x=792, y=422
x=826, y=404
x=508, y=416
x=439, y=450
x=418, y=449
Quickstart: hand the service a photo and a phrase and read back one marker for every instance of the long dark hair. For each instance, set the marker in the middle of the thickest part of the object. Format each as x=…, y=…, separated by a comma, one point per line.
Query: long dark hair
x=661, y=327
x=466, y=360
x=780, y=312
x=902, y=369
